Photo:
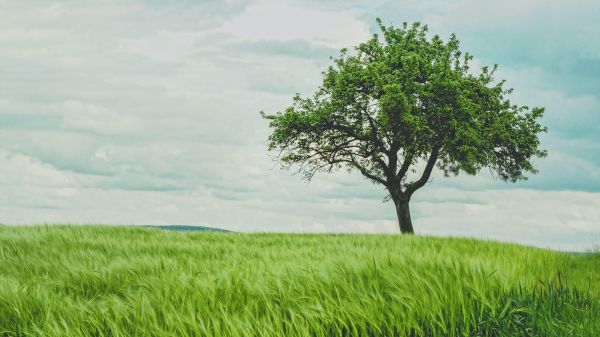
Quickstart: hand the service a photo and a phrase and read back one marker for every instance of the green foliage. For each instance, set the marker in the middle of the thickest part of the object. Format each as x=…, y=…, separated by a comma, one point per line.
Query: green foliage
x=102, y=281
x=402, y=98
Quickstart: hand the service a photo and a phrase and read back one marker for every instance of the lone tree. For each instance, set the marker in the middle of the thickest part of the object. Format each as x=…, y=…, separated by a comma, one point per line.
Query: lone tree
x=400, y=105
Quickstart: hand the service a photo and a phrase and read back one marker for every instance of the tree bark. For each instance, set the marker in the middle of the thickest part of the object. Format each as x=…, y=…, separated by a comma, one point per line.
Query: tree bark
x=403, y=212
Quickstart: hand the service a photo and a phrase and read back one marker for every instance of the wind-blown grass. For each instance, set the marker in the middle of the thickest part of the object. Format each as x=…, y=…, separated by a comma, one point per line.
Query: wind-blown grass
x=108, y=281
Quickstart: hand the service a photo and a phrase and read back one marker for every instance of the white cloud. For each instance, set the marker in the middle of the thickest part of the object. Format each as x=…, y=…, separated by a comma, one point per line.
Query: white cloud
x=277, y=20
x=18, y=169
x=557, y=219
x=163, y=46
x=95, y=118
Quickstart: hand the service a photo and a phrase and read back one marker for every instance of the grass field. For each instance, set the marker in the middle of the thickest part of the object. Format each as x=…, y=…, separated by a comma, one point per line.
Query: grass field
x=109, y=281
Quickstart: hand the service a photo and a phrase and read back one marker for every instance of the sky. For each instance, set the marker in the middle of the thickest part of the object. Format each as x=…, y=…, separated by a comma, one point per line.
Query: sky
x=147, y=112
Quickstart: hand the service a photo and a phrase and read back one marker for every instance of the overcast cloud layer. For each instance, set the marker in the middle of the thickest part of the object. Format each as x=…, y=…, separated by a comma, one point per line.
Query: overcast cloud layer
x=147, y=112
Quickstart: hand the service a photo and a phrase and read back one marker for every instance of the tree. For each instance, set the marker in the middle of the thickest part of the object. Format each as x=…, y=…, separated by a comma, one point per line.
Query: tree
x=400, y=105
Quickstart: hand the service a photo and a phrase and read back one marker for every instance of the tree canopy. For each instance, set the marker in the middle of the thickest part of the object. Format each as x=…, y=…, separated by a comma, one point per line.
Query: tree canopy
x=398, y=106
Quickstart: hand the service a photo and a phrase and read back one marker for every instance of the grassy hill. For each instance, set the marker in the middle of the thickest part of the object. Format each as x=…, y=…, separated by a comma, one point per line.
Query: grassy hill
x=109, y=281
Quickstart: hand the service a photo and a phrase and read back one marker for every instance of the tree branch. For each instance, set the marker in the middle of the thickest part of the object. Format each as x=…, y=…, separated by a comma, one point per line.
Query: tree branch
x=412, y=187
x=330, y=159
x=405, y=166
x=363, y=170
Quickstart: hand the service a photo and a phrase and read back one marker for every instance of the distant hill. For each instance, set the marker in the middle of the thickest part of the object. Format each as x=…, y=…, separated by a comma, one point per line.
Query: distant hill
x=190, y=228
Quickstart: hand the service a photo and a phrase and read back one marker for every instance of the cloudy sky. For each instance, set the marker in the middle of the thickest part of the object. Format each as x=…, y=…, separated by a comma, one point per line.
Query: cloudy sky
x=147, y=112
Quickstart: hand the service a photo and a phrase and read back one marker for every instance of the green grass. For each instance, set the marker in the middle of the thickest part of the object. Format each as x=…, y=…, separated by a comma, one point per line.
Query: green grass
x=108, y=281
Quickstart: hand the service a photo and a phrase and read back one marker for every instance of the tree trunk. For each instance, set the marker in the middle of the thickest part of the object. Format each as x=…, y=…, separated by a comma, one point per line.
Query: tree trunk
x=403, y=212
